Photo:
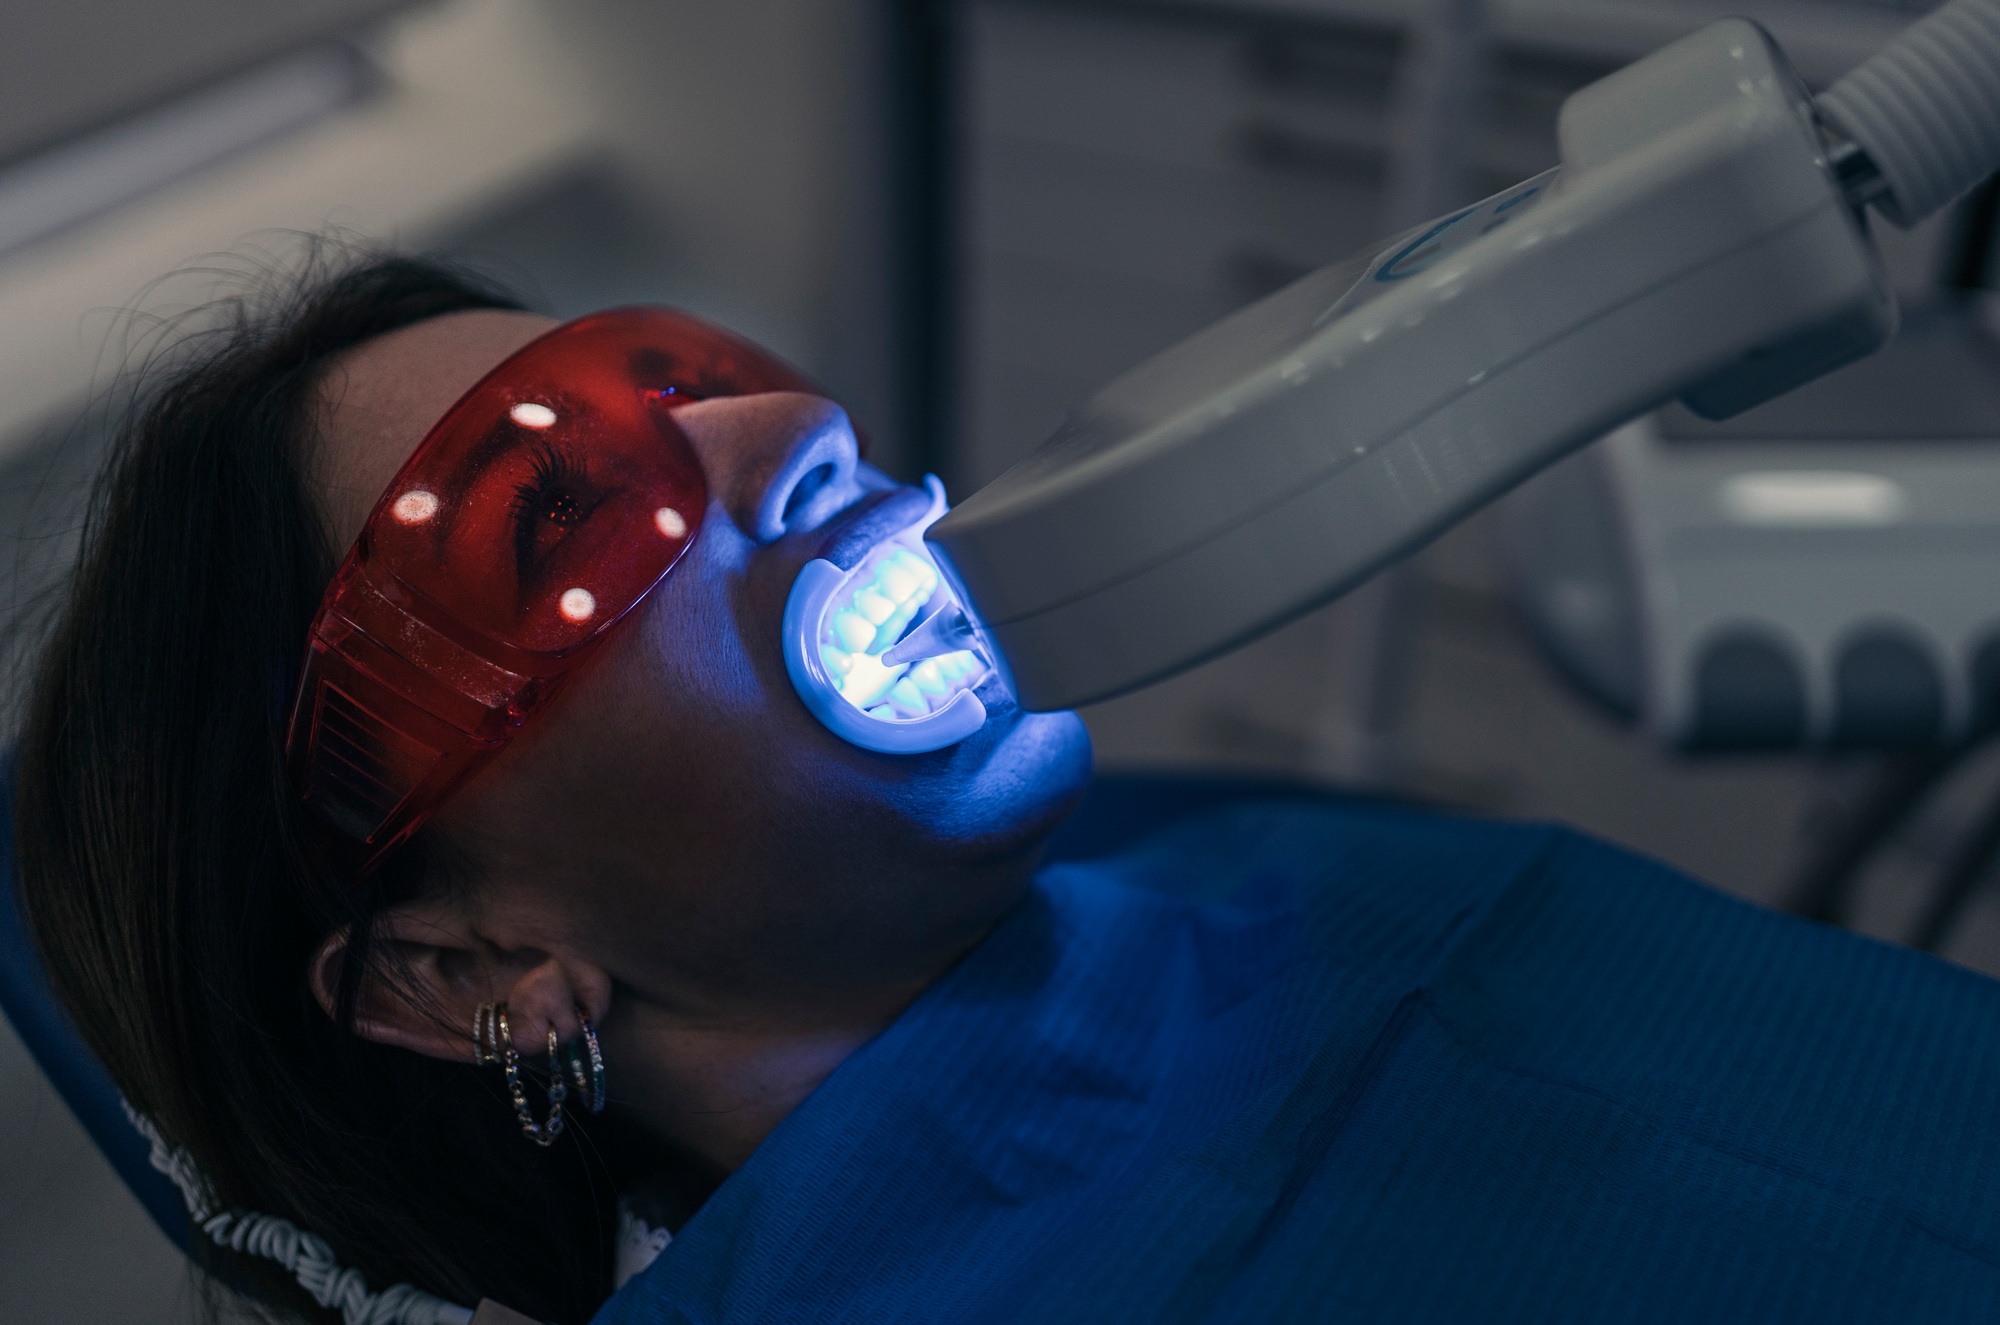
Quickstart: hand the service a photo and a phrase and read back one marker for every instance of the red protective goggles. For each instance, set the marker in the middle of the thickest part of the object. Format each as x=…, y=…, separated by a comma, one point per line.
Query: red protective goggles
x=544, y=506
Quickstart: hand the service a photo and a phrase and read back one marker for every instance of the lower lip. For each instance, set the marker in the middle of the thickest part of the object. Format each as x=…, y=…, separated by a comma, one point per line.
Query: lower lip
x=837, y=624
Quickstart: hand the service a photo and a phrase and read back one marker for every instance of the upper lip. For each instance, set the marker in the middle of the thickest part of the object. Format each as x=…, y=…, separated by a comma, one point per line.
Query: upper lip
x=854, y=532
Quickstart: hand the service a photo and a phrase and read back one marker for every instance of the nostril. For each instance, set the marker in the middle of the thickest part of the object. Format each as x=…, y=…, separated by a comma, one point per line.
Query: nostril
x=800, y=458
x=808, y=485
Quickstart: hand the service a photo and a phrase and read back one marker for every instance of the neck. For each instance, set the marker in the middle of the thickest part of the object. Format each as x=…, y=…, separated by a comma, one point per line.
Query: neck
x=718, y=1083
x=716, y=1071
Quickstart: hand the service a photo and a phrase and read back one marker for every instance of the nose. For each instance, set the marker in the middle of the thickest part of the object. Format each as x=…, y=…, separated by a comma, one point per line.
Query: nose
x=778, y=462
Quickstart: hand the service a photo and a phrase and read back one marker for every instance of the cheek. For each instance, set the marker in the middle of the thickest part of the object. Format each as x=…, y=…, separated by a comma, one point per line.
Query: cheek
x=673, y=711
x=691, y=650
x=696, y=677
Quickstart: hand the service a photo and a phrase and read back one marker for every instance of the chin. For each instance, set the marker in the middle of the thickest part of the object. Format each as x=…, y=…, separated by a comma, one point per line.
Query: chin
x=1003, y=790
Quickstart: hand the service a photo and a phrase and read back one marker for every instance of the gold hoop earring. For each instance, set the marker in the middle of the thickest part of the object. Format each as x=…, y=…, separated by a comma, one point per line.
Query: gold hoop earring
x=486, y=1034
x=586, y=1065
x=545, y=1132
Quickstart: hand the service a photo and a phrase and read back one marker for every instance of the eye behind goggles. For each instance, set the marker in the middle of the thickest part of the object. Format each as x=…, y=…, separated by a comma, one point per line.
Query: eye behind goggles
x=534, y=516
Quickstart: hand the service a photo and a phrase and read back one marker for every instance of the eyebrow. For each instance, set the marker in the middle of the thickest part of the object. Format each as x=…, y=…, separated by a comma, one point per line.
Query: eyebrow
x=498, y=439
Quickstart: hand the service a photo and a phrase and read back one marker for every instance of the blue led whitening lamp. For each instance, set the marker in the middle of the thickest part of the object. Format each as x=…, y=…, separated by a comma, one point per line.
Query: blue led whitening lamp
x=1703, y=238
x=839, y=624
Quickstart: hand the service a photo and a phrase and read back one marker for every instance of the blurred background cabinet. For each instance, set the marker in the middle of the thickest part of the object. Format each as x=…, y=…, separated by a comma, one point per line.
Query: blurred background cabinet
x=1128, y=172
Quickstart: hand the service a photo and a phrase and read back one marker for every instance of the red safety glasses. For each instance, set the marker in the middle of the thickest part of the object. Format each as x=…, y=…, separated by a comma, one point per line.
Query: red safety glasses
x=543, y=507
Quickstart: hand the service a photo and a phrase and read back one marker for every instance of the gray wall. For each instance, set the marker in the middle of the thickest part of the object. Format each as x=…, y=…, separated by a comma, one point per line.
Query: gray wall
x=754, y=132
x=67, y=65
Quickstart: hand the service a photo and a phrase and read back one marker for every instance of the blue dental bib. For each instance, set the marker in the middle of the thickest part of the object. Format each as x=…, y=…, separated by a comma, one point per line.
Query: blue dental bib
x=1286, y=1062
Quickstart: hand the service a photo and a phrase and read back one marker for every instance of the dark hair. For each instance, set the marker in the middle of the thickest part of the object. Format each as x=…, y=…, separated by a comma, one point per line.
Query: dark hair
x=177, y=889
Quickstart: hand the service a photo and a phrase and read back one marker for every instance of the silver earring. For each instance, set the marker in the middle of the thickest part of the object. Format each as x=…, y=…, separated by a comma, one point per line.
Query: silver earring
x=542, y=1133
x=586, y=1065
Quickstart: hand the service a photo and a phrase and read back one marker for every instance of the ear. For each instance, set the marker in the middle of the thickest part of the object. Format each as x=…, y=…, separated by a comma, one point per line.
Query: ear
x=431, y=971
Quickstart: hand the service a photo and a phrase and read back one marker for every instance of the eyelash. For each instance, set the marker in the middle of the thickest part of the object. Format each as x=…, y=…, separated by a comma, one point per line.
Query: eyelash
x=557, y=494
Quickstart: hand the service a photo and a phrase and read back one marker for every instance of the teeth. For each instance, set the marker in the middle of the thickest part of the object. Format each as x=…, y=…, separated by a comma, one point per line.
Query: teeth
x=867, y=680
x=892, y=630
x=930, y=678
x=874, y=606
x=877, y=614
x=853, y=631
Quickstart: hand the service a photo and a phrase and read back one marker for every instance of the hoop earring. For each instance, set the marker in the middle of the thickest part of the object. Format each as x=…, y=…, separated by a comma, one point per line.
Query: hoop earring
x=586, y=1065
x=486, y=1034
x=545, y=1132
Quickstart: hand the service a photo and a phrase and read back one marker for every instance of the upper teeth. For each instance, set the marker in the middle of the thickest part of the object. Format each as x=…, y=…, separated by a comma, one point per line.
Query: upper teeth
x=879, y=610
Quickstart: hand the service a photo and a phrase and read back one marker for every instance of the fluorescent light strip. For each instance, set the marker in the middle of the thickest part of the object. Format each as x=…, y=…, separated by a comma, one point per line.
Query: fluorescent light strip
x=54, y=189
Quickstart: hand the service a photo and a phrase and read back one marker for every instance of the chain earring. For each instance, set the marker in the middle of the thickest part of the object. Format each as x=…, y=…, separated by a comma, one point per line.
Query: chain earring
x=586, y=1065
x=542, y=1133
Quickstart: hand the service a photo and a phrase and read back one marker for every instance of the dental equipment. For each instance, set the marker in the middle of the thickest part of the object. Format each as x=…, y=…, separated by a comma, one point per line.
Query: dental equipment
x=1815, y=573
x=1703, y=238
x=880, y=652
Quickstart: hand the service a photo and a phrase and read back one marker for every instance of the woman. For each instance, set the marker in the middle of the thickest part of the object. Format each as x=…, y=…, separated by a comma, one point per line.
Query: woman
x=673, y=758
x=863, y=1062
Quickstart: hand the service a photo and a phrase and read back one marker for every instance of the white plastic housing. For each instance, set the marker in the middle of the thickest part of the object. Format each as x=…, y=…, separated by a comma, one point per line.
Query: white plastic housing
x=1694, y=243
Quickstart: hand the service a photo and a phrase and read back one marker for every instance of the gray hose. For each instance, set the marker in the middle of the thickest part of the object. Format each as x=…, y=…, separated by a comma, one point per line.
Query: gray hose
x=1926, y=109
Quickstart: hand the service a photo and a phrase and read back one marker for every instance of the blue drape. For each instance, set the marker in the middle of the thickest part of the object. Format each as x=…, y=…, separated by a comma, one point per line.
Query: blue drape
x=1287, y=1062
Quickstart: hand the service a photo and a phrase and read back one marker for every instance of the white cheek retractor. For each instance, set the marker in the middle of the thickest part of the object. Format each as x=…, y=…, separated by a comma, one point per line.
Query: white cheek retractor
x=840, y=624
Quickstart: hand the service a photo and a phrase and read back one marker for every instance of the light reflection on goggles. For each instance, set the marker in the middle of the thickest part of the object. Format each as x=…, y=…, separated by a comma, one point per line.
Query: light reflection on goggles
x=542, y=507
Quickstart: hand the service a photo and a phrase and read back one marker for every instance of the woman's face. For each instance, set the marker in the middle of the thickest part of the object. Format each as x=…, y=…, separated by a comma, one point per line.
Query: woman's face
x=676, y=809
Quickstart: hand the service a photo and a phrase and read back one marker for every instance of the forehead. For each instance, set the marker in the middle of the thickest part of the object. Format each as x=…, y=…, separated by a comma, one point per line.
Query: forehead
x=378, y=400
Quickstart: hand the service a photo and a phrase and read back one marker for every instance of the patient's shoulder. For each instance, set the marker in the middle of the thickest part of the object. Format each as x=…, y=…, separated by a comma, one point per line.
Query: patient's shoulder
x=1356, y=882
x=1550, y=942
x=1332, y=843
x=1447, y=892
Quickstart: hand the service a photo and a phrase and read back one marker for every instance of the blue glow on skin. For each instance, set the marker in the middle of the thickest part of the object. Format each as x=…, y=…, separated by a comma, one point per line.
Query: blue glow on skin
x=729, y=831
x=761, y=894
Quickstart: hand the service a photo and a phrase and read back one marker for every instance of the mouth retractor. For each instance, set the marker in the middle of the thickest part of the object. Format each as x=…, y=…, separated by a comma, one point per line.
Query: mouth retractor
x=882, y=654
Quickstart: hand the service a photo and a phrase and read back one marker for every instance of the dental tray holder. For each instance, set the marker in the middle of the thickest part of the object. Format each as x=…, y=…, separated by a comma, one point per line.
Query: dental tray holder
x=1696, y=242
